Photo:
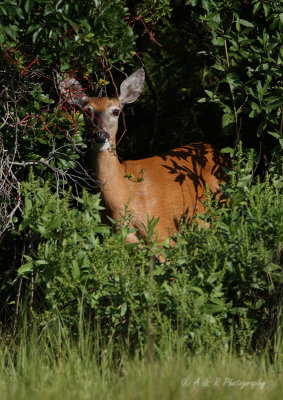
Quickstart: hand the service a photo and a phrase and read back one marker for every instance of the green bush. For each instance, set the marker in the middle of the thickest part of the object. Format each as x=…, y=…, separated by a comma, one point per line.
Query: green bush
x=246, y=47
x=219, y=287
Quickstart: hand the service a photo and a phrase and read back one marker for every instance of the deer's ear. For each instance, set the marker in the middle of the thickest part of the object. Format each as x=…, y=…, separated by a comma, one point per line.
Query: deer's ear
x=132, y=87
x=71, y=91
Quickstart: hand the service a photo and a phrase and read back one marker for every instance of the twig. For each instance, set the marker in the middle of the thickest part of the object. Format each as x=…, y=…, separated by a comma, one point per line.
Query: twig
x=233, y=98
x=281, y=122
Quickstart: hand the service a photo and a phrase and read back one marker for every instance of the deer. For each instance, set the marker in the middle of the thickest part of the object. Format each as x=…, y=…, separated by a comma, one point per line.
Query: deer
x=169, y=188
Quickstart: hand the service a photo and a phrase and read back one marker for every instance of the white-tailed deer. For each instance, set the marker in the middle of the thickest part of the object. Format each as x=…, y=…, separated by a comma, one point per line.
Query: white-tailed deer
x=169, y=187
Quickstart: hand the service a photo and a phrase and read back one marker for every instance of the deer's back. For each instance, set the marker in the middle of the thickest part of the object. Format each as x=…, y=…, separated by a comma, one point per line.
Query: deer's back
x=173, y=185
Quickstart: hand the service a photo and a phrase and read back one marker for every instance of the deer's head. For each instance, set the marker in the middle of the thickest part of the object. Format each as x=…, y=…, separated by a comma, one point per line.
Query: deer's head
x=102, y=113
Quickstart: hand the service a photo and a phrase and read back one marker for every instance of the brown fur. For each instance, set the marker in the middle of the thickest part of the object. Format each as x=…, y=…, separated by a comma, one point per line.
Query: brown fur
x=102, y=103
x=169, y=187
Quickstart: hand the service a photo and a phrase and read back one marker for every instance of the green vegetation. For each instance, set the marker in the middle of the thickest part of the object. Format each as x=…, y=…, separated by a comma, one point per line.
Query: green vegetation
x=53, y=366
x=219, y=288
x=82, y=314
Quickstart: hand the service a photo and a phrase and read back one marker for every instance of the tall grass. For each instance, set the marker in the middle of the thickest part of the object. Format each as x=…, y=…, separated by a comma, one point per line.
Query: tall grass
x=57, y=364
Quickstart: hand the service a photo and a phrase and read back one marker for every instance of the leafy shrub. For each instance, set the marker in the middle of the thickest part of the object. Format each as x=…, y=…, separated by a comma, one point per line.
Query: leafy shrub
x=218, y=288
x=246, y=47
x=239, y=257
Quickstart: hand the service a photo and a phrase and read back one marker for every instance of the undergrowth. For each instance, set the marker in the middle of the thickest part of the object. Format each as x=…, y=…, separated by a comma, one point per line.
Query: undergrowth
x=218, y=290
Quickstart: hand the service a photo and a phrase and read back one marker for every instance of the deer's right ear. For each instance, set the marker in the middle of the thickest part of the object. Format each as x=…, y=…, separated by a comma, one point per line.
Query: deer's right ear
x=71, y=91
x=132, y=87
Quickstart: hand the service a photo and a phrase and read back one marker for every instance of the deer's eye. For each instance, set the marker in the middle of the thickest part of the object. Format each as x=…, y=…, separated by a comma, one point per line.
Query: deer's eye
x=116, y=112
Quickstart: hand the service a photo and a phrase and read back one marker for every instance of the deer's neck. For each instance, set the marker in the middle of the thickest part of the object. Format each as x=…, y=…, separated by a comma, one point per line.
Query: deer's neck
x=110, y=175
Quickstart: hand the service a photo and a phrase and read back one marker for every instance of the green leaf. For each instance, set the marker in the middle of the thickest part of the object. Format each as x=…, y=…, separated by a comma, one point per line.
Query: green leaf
x=213, y=308
x=11, y=31
x=218, y=41
x=41, y=140
x=29, y=5
x=228, y=150
x=28, y=267
x=32, y=28
x=123, y=309
x=36, y=34
x=233, y=80
x=280, y=57
x=218, y=66
x=41, y=229
x=270, y=106
x=228, y=123
x=261, y=128
x=256, y=7
x=85, y=23
x=238, y=27
x=205, y=5
x=259, y=90
x=195, y=289
x=246, y=23
x=75, y=270
x=24, y=224
x=256, y=110
x=266, y=8
x=277, y=135
x=213, y=24
x=20, y=12
x=243, y=181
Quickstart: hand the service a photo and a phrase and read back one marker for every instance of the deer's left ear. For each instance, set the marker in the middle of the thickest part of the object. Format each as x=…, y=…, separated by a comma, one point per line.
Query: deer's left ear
x=71, y=90
x=132, y=87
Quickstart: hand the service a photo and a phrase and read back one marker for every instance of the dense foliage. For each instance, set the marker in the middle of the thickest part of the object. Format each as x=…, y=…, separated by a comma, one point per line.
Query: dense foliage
x=213, y=73
x=220, y=287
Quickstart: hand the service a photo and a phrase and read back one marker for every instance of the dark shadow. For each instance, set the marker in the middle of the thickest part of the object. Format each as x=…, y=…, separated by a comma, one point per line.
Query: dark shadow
x=194, y=162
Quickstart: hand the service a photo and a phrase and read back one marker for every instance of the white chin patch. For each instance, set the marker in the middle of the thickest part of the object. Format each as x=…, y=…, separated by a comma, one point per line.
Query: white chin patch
x=102, y=146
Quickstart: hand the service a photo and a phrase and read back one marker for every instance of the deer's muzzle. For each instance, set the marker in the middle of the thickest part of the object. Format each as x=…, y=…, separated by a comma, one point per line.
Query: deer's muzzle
x=101, y=136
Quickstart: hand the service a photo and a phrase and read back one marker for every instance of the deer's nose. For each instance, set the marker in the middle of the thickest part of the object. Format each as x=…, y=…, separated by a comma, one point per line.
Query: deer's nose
x=101, y=136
